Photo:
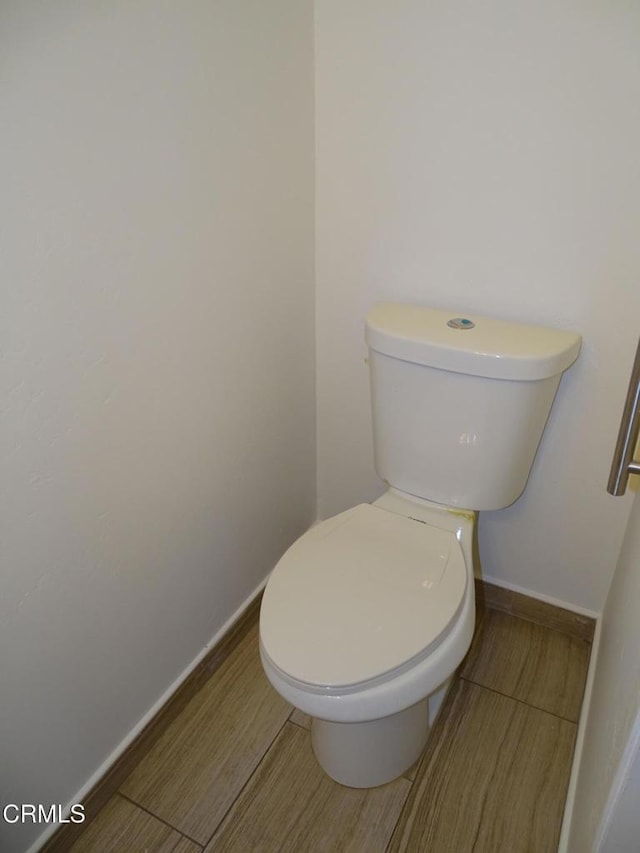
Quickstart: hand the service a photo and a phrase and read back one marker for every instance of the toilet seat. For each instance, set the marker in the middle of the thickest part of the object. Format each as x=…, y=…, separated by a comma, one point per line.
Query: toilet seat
x=360, y=598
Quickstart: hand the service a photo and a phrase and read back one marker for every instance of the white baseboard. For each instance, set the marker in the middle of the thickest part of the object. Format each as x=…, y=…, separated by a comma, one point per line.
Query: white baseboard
x=577, y=753
x=151, y=713
x=548, y=599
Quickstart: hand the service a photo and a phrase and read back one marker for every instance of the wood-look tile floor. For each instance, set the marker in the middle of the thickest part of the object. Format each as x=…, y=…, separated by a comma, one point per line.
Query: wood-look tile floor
x=235, y=770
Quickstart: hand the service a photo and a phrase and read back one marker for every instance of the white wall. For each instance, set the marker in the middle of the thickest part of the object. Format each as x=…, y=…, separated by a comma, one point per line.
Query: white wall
x=157, y=419
x=605, y=803
x=483, y=157
x=622, y=831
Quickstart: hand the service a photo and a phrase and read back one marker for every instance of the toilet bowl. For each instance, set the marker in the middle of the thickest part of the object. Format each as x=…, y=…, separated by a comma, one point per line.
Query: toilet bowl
x=363, y=622
x=366, y=617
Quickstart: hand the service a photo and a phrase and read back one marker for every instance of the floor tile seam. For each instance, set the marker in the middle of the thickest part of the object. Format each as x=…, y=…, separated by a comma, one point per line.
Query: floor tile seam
x=497, y=751
x=403, y=847
x=400, y=813
x=520, y=701
x=293, y=723
x=161, y=819
x=248, y=780
x=412, y=783
x=179, y=841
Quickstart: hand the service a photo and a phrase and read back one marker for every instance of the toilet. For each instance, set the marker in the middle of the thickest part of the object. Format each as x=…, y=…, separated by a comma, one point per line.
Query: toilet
x=366, y=617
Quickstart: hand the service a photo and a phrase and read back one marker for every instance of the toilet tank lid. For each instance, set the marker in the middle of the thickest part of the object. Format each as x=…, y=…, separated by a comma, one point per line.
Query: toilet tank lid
x=469, y=343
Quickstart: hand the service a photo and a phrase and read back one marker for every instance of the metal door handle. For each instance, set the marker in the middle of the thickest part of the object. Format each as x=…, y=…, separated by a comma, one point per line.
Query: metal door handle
x=623, y=462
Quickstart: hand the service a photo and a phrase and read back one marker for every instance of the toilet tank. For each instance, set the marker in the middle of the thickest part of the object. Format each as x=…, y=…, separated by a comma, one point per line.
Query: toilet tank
x=460, y=403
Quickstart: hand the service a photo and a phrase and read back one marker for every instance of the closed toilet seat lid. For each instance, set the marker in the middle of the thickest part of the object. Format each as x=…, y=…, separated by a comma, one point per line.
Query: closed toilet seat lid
x=359, y=596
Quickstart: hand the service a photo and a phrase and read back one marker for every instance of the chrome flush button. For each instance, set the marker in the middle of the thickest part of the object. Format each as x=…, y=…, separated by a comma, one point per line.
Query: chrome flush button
x=460, y=323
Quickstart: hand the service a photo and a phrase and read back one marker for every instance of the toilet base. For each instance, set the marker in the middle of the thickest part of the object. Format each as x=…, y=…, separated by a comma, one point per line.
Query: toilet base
x=364, y=755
